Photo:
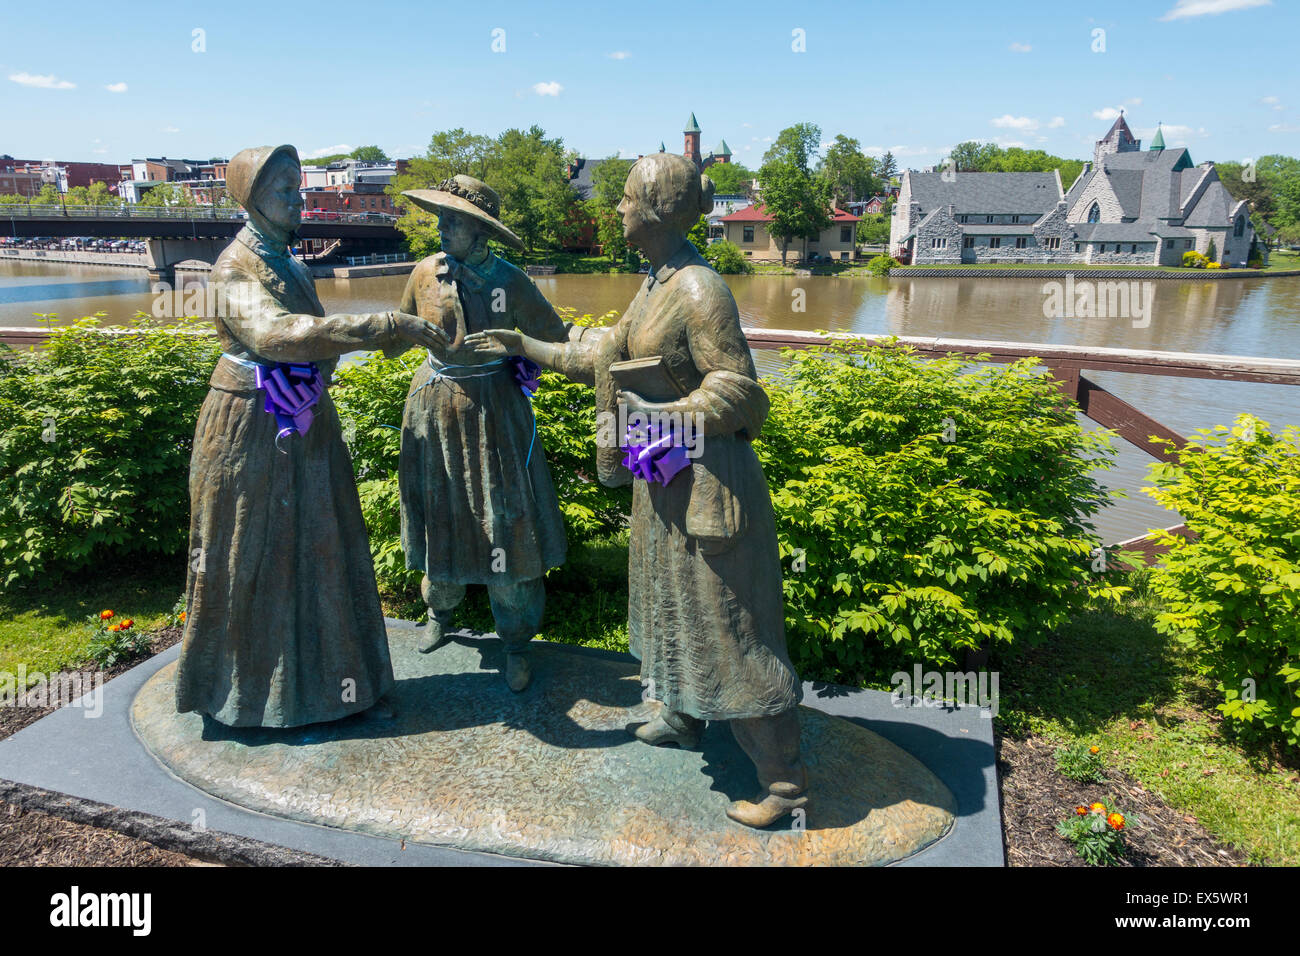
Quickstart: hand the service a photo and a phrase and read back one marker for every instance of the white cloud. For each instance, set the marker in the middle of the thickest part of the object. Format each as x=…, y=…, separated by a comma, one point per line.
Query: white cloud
x=171, y=129
x=1020, y=48
x=1056, y=122
x=618, y=55
x=1007, y=121
x=1009, y=143
x=1133, y=101
x=47, y=82
x=1199, y=8
x=547, y=89
x=116, y=87
x=1270, y=100
x=1106, y=113
x=99, y=151
x=1283, y=128
x=330, y=150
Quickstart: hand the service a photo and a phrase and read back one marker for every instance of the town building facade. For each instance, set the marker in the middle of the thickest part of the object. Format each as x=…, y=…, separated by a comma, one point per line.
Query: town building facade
x=1128, y=206
x=748, y=229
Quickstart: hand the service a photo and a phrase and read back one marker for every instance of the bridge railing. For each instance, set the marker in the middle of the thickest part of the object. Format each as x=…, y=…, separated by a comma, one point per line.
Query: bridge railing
x=376, y=259
x=206, y=213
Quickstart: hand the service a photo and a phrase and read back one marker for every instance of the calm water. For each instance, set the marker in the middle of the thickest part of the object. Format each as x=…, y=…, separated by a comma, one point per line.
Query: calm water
x=1258, y=317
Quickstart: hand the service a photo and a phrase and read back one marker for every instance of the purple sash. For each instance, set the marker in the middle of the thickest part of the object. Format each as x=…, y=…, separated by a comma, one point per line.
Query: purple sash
x=652, y=456
x=291, y=393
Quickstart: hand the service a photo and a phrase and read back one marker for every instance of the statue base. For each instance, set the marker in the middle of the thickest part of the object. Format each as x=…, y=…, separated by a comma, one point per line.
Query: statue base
x=549, y=774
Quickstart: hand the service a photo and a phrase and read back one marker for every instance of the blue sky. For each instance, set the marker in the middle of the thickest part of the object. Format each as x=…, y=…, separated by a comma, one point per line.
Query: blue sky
x=108, y=83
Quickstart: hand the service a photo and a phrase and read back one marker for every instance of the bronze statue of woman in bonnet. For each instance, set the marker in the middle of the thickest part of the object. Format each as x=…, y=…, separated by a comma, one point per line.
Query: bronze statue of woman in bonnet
x=706, y=611
x=283, y=624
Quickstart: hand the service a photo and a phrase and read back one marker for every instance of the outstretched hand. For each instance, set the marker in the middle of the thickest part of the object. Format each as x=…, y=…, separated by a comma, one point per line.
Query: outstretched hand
x=418, y=331
x=495, y=342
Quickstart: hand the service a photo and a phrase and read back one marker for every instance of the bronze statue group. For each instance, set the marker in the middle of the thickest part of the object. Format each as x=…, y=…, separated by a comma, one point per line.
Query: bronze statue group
x=284, y=625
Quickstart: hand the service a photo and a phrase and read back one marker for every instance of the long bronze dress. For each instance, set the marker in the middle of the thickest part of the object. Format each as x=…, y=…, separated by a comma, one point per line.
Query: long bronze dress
x=478, y=502
x=283, y=624
x=706, y=611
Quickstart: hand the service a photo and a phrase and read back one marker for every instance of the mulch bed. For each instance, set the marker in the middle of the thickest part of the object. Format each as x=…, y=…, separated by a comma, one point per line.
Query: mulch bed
x=29, y=838
x=1036, y=796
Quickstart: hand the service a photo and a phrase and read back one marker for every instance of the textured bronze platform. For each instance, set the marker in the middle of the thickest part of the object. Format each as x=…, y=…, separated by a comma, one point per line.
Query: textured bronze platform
x=550, y=774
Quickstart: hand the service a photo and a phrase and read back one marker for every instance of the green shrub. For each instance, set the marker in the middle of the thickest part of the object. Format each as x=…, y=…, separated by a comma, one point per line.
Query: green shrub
x=1080, y=762
x=1233, y=593
x=928, y=507
x=1194, y=260
x=1255, y=263
x=95, y=437
x=727, y=258
x=112, y=643
x=370, y=397
x=880, y=265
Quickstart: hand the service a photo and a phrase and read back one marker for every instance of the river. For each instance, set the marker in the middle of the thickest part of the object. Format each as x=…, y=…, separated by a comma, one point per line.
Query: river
x=1259, y=317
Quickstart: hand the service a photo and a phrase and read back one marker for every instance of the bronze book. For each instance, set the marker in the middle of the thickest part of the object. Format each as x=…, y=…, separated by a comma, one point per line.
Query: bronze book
x=651, y=378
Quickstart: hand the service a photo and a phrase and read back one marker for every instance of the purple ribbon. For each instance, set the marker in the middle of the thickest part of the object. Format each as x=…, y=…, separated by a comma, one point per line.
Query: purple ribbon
x=652, y=456
x=291, y=392
x=526, y=373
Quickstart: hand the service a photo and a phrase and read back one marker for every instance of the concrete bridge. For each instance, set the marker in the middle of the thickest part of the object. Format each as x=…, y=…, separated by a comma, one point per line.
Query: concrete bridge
x=176, y=234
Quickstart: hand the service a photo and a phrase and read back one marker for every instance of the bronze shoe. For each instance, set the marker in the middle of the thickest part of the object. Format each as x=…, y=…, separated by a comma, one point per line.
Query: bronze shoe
x=759, y=813
x=663, y=731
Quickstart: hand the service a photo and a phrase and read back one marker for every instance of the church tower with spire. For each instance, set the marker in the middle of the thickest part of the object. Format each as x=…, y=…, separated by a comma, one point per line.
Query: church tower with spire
x=1119, y=139
x=692, y=148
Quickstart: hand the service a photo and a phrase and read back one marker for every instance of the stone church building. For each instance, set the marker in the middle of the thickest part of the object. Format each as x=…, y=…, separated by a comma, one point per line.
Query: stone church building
x=1129, y=206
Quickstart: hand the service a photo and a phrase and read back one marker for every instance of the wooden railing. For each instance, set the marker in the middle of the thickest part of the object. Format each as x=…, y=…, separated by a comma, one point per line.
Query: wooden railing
x=1066, y=363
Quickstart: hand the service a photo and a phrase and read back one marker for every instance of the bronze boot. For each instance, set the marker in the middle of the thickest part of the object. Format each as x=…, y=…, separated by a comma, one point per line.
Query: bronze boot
x=519, y=672
x=773, y=744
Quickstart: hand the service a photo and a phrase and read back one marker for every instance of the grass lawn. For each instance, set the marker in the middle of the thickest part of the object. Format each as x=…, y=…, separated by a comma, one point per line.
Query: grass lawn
x=1109, y=679
x=44, y=625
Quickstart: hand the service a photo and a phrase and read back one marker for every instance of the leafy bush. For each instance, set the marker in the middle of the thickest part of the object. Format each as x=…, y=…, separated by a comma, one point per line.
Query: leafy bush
x=95, y=437
x=929, y=506
x=880, y=265
x=1194, y=260
x=1081, y=763
x=1097, y=833
x=1256, y=263
x=727, y=258
x=1214, y=265
x=370, y=397
x=1233, y=593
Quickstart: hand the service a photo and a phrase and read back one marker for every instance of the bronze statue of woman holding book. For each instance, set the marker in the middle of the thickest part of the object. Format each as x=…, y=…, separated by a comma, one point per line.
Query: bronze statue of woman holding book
x=706, y=613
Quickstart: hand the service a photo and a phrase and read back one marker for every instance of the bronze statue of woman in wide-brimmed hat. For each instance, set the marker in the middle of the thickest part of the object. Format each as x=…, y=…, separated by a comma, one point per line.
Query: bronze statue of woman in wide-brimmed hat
x=283, y=624
x=478, y=504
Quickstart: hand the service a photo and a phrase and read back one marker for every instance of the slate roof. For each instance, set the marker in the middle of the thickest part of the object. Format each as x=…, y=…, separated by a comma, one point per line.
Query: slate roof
x=1115, y=232
x=582, y=183
x=984, y=193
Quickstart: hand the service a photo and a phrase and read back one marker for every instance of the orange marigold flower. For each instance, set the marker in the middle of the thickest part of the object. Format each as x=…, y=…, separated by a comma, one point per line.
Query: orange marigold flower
x=182, y=616
x=105, y=615
x=1081, y=811
x=1094, y=750
x=115, y=627
x=1098, y=808
x=127, y=624
x=1116, y=821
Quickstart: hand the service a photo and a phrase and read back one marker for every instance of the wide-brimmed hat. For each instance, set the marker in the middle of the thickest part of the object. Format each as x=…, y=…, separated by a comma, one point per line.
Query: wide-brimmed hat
x=470, y=196
x=246, y=168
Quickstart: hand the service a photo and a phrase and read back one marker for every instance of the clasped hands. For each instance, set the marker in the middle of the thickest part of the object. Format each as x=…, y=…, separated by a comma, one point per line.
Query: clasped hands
x=498, y=343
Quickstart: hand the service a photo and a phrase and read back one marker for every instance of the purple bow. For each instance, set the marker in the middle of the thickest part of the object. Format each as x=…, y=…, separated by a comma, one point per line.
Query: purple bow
x=526, y=373
x=291, y=392
x=652, y=456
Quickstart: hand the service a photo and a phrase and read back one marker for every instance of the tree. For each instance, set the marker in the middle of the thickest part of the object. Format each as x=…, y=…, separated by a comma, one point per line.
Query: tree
x=450, y=153
x=528, y=172
x=851, y=174
x=727, y=258
x=887, y=168
x=699, y=235
x=796, y=200
x=731, y=179
x=370, y=154
x=971, y=157
x=167, y=194
x=608, y=179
